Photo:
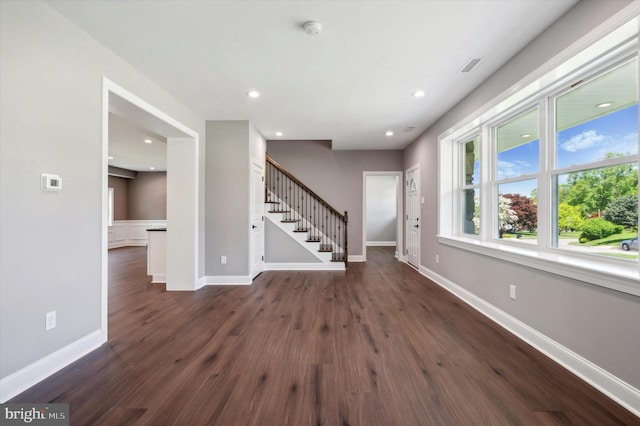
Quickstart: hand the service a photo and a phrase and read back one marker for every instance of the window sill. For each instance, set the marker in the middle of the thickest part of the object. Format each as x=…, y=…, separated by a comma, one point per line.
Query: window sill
x=609, y=273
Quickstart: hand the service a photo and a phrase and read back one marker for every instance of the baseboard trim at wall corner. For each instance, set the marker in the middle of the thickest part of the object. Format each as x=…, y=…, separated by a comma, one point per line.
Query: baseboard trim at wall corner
x=356, y=258
x=18, y=382
x=319, y=266
x=610, y=385
x=228, y=280
x=202, y=281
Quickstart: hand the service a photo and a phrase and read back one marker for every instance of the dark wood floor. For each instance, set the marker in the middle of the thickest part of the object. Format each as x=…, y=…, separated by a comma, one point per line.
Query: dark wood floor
x=376, y=345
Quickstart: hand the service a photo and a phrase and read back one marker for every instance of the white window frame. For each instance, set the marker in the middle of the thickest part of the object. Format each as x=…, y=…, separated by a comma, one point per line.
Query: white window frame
x=541, y=90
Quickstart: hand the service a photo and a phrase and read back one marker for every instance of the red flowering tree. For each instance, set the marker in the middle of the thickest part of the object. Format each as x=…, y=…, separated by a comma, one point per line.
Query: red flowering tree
x=526, y=210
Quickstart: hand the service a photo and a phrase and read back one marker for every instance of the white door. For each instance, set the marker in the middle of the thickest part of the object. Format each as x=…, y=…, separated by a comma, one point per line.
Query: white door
x=413, y=216
x=257, y=220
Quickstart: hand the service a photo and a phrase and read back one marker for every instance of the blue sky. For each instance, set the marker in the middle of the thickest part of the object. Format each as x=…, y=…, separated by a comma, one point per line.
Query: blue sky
x=581, y=144
x=590, y=141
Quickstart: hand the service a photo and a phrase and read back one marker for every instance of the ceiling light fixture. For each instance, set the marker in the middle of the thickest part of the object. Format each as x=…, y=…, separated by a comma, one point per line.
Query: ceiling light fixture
x=253, y=94
x=110, y=157
x=389, y=133
x=418, y=94
x=312, y=28
x=278, y=133
x=605, y=105
x=152, y=168
x=148, y=141
x=525, y=135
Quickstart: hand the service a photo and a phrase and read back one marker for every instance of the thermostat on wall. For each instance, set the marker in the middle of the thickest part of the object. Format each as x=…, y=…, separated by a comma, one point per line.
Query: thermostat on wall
x=51, y=182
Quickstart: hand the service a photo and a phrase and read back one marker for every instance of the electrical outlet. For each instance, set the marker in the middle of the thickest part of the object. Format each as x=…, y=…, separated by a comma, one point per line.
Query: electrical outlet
x=437, y=258
x=512, y=291
x=50, y=321
x=223, y=260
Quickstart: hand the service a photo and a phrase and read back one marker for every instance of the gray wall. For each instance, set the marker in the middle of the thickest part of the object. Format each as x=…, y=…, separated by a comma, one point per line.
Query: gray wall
x=599, y=324
x=148, y=196
x=227, y=197
x=381, y=209
x=120, y=197
x=51, y=113
x=279, y=247
x=335, y=175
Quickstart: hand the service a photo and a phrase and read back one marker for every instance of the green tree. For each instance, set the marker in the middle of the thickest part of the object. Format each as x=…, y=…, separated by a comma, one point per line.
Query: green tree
x=593, y=190
x=623, y=211
x=569, y=217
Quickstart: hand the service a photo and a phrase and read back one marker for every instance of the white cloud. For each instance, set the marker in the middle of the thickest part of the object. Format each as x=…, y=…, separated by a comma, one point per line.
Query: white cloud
x=627, y=144
x=507, y=169
x=584, y=140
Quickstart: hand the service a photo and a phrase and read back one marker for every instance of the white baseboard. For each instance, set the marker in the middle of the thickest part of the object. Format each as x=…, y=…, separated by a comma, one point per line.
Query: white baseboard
x=356, y=258
x=34, y=373
x=381, y=243
x=159, y=279
x=332, y=266
x=616, y=389
x=228, y=280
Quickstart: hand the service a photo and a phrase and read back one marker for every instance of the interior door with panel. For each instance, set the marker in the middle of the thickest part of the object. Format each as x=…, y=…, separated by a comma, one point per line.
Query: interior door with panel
x=257, y=220
x=413, y=216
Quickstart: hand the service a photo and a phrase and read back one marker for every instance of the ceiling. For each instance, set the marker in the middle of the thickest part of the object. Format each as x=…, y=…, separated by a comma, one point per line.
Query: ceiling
x=350, y=84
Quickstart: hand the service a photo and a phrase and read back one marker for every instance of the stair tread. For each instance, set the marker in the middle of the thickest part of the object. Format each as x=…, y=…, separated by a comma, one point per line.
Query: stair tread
x=279, y=211
x=290, y=220
x=313, y=240
x=301, y=230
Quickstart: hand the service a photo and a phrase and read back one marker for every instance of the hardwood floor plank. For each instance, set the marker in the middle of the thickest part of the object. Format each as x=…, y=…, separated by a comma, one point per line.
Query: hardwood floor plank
x=377, y=344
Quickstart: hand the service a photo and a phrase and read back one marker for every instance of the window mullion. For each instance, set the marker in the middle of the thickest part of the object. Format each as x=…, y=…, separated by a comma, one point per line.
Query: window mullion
x=545, y=226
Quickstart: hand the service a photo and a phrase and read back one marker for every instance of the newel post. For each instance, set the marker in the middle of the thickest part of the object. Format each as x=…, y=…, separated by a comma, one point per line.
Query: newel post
x=346, y=240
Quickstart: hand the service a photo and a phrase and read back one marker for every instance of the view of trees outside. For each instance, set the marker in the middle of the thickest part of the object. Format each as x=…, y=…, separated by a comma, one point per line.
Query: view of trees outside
x=597, y=204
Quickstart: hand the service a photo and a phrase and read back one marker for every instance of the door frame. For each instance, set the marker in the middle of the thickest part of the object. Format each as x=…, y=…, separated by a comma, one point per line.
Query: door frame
x=183, y=189
x=406, y=227
x=399, y=211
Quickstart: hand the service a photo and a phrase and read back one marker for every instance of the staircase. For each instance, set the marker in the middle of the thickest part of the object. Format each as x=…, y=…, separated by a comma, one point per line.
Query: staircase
x=306, y=216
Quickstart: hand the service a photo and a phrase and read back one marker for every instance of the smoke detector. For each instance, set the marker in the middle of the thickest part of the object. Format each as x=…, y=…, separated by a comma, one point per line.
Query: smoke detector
x=312, y=28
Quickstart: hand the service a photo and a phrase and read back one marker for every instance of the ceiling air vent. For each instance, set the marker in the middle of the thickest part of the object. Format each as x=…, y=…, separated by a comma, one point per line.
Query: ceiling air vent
x=470, y=64
x=409, y=128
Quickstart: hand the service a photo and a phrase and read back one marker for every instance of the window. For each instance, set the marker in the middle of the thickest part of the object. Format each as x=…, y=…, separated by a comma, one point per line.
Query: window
x=547, y=177
x=596, y=174
x=470, y=191
x=517, y=156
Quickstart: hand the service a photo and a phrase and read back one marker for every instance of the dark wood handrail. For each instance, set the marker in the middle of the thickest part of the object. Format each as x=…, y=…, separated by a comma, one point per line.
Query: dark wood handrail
x=284, y=171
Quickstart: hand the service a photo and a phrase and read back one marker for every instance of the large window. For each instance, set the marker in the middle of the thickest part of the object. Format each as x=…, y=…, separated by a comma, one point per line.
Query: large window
x=548, y=176
x=596, y=176
x=517, y=166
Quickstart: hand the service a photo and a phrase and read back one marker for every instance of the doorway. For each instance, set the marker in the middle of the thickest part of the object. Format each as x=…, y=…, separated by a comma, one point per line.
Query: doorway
x=182, y=188
x=382, y=211
x=413, y=216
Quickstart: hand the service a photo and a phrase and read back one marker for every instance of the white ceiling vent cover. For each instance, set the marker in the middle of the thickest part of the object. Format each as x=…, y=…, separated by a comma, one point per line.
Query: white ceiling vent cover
x=470, y=64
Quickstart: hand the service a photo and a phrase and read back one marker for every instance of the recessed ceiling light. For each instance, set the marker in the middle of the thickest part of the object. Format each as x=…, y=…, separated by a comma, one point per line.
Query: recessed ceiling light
x=278, y=133
x=148, y=141
x=605, y=105
x=418, y=94
x=152, y=168
x=525, y=135
x=389, y=133
x=253, y=94
x=110, y=157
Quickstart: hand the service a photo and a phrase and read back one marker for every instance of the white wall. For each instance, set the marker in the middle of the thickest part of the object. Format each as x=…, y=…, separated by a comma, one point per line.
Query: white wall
x=51, y=77
x=598, y=324
x=381, y=210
